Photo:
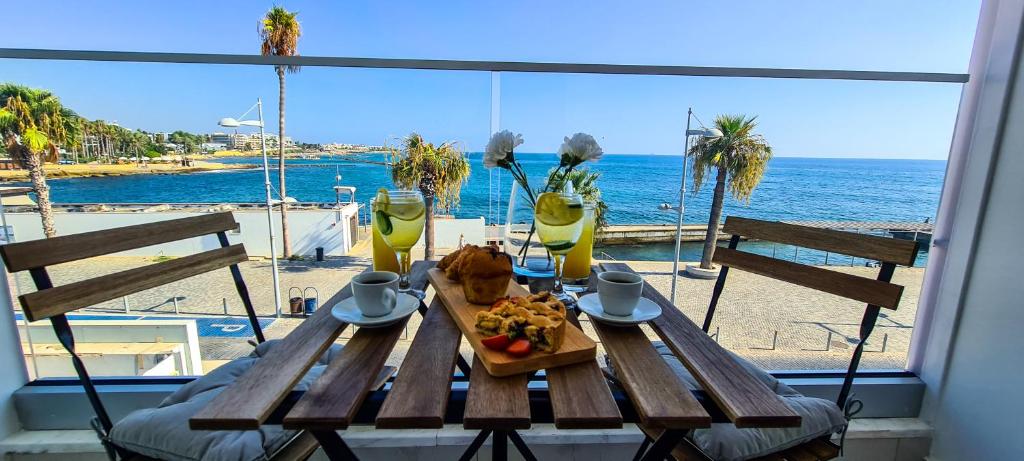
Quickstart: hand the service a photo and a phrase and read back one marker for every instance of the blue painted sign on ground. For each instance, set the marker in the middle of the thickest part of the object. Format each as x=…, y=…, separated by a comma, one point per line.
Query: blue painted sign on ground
x=223, y=327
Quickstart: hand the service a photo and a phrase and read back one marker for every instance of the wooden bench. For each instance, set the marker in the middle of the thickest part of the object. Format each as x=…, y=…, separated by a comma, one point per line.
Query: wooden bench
x=737, y=393
x=53, y=302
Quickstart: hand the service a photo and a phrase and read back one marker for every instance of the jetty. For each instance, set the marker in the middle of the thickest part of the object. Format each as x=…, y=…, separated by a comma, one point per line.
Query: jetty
x=636, y=234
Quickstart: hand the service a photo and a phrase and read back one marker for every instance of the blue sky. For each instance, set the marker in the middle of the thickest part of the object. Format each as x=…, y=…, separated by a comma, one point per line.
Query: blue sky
x=628, y=114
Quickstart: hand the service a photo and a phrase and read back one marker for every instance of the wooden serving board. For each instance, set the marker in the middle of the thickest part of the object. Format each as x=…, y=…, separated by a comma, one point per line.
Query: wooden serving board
x=576, y=347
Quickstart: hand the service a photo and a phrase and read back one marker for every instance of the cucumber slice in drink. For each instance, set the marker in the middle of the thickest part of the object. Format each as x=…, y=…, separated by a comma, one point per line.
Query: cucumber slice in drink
x=383, y=222
x=560, y=245
x=402, y=209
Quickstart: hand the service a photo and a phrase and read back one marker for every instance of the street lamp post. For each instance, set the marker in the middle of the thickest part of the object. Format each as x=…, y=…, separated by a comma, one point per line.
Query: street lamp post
x=704, y=132
x=233, y=123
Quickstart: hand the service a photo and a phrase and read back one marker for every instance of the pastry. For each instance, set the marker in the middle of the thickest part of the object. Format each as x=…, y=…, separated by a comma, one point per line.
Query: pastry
x=540, y=318
x=483, y=271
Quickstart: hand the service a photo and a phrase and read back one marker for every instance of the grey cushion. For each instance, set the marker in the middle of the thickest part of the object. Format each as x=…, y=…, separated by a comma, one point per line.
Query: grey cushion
x=163, y=432
x=726, y=442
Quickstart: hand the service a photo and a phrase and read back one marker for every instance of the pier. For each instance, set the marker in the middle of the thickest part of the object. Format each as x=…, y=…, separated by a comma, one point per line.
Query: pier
x=660, y=233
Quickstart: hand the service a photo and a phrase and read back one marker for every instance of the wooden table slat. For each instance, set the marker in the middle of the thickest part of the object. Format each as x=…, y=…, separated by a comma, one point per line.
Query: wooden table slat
x=580, y=397
x=742, y=397
x=419, y=395
x=250, y=400
x=332, y=401
x=659, y=396
x=496, y=403
x=247, y=402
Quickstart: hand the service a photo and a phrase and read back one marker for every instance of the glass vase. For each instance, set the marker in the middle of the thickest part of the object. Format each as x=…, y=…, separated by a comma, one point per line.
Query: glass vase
x=530, y=258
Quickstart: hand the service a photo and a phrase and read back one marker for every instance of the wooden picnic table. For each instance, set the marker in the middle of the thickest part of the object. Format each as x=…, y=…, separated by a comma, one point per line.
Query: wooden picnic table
x=422, y=396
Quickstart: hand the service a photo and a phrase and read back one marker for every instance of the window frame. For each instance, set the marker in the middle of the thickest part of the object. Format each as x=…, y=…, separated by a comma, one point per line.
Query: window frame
x=875, y=387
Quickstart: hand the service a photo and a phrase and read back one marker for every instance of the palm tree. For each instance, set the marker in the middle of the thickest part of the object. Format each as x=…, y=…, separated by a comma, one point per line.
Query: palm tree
x=33, y=123
x=279, y=32
x=738, y=158
x=437, y=171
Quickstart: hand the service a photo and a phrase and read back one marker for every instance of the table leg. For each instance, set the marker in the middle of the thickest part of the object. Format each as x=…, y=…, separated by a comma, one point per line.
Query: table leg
x=335, y=448
x=521, y=446
x=463, y=366
x=643, y=449
x=664, y=444
x=499, y=446
x=473, y=447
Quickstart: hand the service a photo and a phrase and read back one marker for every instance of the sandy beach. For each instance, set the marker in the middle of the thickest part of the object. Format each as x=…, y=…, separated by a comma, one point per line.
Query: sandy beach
x=87, y=170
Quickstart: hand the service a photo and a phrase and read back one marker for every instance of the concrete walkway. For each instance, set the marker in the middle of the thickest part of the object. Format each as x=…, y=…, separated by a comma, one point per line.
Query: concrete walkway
x=752, y=309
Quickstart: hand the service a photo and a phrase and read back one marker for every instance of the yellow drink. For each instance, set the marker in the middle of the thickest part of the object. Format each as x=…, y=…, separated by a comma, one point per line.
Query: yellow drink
x=384, y=257
x=559, y=222
x=398, y=217
x=400, y=223
x=577, y=261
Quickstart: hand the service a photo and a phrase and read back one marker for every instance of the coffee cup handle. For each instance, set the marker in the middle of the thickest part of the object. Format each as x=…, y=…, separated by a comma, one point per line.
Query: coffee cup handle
x=389, y=298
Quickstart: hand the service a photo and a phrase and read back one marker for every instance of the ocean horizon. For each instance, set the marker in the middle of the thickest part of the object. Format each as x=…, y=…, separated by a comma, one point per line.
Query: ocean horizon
x=633, y=186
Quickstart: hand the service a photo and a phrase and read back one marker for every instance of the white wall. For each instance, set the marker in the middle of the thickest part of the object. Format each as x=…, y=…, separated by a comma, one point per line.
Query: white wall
x=131, y=330
x=310, y=229
x=447, y=232
x=14, y=374
x=972, y=361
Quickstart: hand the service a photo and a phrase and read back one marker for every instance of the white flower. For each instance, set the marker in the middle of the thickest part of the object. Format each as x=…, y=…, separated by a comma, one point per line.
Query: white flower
x=500, y=146
x=578, y=149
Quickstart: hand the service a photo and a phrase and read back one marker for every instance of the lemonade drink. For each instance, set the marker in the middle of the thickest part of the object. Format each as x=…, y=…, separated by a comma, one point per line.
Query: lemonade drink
x=384, y=258
x=577, y=261
x=559, y=221
x=399, y=216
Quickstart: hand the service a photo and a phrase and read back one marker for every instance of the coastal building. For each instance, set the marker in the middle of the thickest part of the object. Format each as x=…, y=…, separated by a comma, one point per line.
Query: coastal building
x=213, y=146
x=221, y=138
x=248, y=141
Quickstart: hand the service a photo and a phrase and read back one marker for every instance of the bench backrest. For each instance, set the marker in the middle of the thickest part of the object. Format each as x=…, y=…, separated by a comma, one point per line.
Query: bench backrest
x=53, y=302
x=877, y=292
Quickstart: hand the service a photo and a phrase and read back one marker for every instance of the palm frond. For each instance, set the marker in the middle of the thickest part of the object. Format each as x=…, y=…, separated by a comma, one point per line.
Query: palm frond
x=279, y=32
x=740, y=154
x=437, y=171
x=35, y=140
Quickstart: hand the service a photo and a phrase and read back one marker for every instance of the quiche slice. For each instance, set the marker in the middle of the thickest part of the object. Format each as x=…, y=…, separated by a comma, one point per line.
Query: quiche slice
x=539, y=318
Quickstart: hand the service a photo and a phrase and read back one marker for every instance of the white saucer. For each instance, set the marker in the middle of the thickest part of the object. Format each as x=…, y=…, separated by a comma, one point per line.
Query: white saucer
x=347, y=312
x=645, y=310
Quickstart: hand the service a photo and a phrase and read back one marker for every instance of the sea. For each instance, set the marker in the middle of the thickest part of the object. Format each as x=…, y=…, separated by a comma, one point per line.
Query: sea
x=633, y=187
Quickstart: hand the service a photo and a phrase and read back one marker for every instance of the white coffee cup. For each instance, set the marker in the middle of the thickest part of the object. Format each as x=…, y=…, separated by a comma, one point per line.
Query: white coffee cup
x=619, y=292
x=376, y=293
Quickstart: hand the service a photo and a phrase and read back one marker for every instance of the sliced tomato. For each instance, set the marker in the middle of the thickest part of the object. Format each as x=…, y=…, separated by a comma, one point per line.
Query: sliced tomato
x=498, y=303
x=497, y=342
x=520, y=348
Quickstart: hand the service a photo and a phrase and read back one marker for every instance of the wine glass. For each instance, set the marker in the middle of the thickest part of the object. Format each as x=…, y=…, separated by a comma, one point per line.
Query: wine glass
x=398, y=216
x=559, y=220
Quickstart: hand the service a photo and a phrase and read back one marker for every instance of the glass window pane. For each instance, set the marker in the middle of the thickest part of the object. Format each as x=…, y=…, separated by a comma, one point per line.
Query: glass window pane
x=845, y=153
x=150, y=148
